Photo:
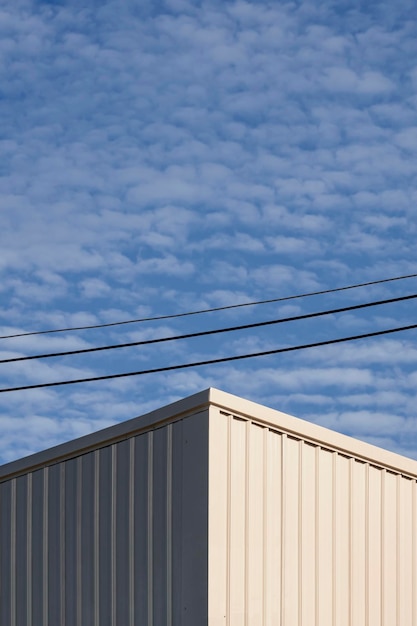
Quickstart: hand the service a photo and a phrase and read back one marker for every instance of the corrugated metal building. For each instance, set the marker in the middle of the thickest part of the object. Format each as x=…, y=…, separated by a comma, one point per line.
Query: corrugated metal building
x=213, y=510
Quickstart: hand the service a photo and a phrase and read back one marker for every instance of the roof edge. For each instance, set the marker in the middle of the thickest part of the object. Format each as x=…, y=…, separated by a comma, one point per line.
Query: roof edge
x=106, y=436
x=318, y=435
x=229, y=403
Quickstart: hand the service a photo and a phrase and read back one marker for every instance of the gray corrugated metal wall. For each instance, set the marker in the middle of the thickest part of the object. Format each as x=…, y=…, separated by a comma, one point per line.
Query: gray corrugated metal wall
x=95, y=540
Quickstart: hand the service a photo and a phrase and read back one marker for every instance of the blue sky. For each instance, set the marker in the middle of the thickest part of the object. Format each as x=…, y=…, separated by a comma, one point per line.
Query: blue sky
x=184, y=155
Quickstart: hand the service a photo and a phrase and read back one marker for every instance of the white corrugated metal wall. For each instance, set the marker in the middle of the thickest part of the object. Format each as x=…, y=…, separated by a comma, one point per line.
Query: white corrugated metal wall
x=250, y=518
x=302, y=535
x=96, y=540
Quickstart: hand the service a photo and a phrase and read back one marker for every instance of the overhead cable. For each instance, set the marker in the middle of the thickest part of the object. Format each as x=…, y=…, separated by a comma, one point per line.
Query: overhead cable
x=239, y=357
x=211, y=310
x=205, y=333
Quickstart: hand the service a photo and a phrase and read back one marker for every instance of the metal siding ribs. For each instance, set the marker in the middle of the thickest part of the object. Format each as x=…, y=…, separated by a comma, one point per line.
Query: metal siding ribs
x=94, y=539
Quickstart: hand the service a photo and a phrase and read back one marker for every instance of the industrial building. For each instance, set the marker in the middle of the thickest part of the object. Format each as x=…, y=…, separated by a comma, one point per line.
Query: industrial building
x=212, y=511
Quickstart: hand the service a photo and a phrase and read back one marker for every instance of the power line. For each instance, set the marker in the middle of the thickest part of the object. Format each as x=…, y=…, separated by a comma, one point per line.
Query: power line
x=212, y=310
x=171, y=368
x=205, y=333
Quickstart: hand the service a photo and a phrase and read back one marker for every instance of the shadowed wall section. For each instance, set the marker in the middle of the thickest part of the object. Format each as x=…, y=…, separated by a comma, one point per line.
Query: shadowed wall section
x=96, y=539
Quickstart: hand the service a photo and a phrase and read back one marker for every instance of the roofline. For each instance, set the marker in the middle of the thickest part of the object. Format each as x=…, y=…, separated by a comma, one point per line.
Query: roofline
x=313, y=433
x=229, y=404
x=107, y=436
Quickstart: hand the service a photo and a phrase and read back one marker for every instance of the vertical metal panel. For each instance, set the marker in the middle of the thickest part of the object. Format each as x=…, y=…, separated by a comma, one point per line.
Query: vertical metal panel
x=21, y=549
x=301, y=535
x=255, y=530
x=122, y=534
x=192, y=563
x=5, y=552
x=149, y=527
x=70, y=540
x=374, y=538
x=140, y=507
x=54, y=546
x=169, y=522
x=272, y=526
x=308, y=508
x=45, y=537
x=29, y=552
x=290, y=530
x=324, y=534
x=341, y=541
x=358, y=543
x=13, y=553
x=159, y=523
x=237, y=539
x=96, y=507
x=132, y=542
x=86, y=541
x=105, y=499
x=177, y=521
x=405, y=556
x=414, y=552
x=37, y=546
x=219, y=489
x=114, y=536
x=389, y=549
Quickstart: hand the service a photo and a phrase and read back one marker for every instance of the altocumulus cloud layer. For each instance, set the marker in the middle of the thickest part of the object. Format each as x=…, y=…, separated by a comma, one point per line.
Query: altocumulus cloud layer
x=179, y=155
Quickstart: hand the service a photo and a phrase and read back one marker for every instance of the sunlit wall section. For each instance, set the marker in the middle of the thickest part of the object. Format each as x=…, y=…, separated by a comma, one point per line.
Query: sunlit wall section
x=303, y=534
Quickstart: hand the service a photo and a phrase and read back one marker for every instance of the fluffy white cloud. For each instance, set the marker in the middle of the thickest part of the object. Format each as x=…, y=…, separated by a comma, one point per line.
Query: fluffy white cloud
x=156, y=160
